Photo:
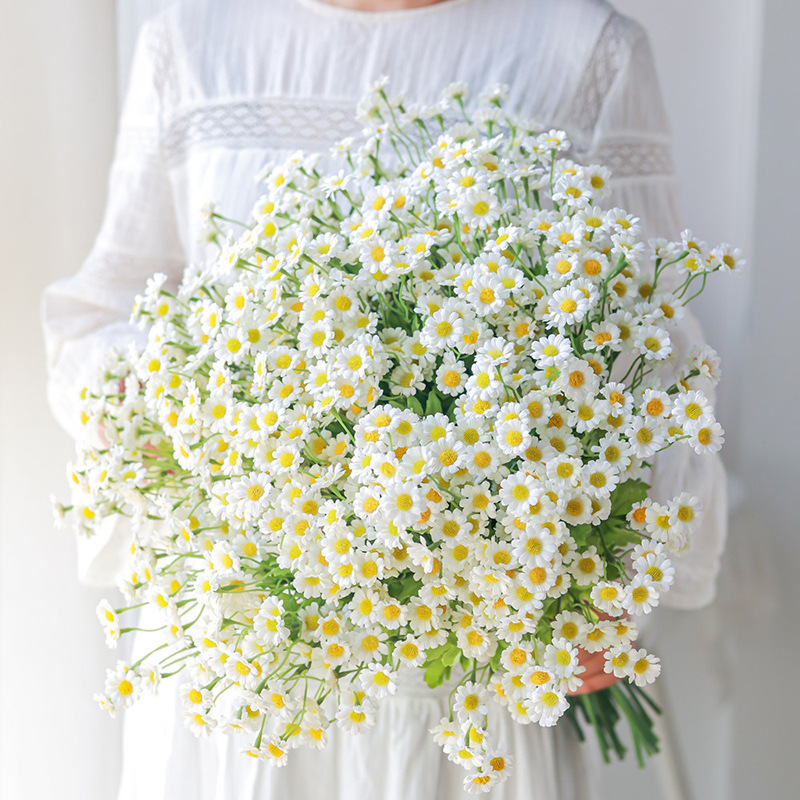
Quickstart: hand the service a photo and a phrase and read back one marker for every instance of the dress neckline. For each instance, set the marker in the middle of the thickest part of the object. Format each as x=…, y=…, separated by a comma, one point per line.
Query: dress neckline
x=321, y=7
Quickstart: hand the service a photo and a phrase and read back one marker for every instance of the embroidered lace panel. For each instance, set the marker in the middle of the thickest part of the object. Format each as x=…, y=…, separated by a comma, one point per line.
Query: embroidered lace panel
x=602, y=68
x=273, y=123
x=634, y=157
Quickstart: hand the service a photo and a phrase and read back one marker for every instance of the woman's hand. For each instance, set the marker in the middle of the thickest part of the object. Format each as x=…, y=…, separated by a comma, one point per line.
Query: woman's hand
x=595, y=678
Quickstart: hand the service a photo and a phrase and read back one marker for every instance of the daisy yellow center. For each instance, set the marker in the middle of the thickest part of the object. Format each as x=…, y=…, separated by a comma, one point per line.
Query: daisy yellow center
x=534, y=546
x=586, y=565
x=452, y=378
x=370, y=569
x=568, y=305
x=370, y=504
x=514, y=438
x=537, y=575
x=520, y=493
x=652, y=343
x=450, y=528
x=409, y=650
x=448, y=457
x=639, y=594
x=591, y=267
x=255, y=492
x=563, y=267
x=574, y=508
x=460, y=552
x=404, y=502
x=444, y=329
x=550, y=699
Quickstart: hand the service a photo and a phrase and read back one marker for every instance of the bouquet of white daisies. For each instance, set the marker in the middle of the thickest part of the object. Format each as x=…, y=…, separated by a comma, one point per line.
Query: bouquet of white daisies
x=403, y=420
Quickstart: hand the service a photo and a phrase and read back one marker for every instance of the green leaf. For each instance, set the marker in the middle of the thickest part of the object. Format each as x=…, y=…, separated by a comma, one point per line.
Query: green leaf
x=434, y=674
x=494, y=661
x=626, y=496
x=451, y=655
x=415, y=405
x=403, y=586
x=433, y=405
x=618, y=537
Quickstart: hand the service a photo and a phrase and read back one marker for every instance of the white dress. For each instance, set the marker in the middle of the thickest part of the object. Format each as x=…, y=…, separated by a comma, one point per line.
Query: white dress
x=219, y=88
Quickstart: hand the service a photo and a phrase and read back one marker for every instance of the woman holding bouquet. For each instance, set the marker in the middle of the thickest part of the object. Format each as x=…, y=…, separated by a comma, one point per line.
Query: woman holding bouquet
x=219, y=89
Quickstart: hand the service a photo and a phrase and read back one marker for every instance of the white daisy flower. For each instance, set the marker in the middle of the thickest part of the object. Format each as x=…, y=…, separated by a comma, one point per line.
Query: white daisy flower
x=646, y=667
x=567, y=306
x=548, y=704
x=378, y=681
x=707, y=438
x=618, y=661
x=470, y=703
x=588, y=567
x=641, y=596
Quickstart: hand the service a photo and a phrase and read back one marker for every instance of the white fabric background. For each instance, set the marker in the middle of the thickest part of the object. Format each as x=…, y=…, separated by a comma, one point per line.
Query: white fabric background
x=734, y=154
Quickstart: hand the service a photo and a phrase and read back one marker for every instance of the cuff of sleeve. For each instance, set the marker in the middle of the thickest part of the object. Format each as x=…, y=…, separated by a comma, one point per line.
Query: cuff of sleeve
x=76, y=367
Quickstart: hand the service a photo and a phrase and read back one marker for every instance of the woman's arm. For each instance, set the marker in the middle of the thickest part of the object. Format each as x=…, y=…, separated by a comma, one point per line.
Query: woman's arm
x=87, y=314
x=631, y=135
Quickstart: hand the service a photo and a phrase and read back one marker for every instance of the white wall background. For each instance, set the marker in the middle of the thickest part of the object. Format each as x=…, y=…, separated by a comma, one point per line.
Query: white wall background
x=57, y=121
x=727, y=68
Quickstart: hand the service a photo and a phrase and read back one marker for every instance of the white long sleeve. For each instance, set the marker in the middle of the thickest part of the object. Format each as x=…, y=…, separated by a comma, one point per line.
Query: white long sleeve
x=87, y=314
x=632, y=137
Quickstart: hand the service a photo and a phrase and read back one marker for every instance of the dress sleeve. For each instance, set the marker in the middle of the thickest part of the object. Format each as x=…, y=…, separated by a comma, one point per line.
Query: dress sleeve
x=87, y=314
x=632, y=137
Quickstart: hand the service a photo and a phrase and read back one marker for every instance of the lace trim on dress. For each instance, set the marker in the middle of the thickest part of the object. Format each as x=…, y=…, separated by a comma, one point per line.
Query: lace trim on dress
x=273, y=123
x=634, y=157
x=605, y=62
